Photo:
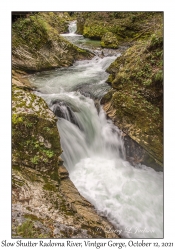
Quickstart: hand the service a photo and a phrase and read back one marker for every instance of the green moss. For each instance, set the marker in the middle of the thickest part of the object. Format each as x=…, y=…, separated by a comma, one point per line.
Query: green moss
x=65, y=209
x=16, y=167
x=49, y=187
x=109, y=40
x=126, y=26
x=28, y=230
x=54, y=175
x=17, y=183
x=32, y=217
x=16, y=119
x=35, y=159
x=37, y=29
x=136, y=101
x=35, y=138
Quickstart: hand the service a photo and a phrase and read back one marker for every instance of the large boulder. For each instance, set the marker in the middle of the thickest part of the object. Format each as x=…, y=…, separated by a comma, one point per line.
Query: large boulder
x=109, y=40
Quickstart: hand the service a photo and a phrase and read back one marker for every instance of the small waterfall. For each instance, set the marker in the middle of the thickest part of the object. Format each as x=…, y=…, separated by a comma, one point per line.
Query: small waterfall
x=73, y=27
x=93, y=152
x=92, y=134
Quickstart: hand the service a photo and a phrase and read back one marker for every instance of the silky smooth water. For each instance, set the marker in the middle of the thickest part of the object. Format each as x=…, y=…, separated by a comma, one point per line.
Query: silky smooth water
x=93, y=151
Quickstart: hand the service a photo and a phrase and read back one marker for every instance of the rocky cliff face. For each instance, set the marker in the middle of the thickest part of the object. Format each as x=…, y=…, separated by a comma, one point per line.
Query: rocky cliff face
x=135, y=102
x=45, y=203
x=37, y=44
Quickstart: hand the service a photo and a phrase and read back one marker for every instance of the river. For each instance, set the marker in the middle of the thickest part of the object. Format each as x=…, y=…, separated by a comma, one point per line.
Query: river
x=93, y=150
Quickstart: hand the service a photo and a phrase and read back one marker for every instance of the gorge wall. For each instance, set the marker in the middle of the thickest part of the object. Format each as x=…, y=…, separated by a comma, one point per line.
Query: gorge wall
x=135, y=101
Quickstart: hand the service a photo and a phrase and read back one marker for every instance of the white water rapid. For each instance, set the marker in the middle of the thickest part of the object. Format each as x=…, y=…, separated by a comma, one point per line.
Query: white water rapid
x=130, y=197
x=72, y=29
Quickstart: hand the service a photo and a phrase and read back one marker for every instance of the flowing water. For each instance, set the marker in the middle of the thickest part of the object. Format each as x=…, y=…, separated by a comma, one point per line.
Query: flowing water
x=93, y=152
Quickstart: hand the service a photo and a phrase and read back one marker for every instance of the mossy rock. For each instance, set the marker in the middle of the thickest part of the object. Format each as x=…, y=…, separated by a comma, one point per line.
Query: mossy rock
x=109, y=40
x=35, y=138
x=126, y=26
x=37, y=44
x=136, y=101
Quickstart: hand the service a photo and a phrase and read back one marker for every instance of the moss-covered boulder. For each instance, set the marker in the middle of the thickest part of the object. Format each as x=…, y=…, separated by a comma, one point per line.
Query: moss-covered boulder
x=136, y=101
x=109, y=40
x=37, y=44
x=35, y=139
x=126, y=26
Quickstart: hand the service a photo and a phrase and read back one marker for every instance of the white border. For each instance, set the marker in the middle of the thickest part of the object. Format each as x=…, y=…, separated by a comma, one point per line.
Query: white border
x=5, y=95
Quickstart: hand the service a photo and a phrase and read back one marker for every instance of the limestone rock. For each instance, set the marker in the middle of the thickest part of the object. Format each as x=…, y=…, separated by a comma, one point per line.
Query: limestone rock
x=135, y=102
x=37, y=44
x=109, y=40
x=126, y=26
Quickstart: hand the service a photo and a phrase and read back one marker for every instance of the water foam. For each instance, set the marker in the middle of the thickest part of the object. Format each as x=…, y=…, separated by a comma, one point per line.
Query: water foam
x=131, y=198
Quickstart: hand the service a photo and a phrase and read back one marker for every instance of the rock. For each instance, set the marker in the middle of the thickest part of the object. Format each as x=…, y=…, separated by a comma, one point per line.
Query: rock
x=63, y=173
x=126, y=26
x=35, y=138
x=68, y=215
x=135, y=102
x=37, y=45
x=137, y=155
x=109, y=40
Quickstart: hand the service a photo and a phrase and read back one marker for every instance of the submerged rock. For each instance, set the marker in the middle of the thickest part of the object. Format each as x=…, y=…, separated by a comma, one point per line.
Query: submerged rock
x=66, y=110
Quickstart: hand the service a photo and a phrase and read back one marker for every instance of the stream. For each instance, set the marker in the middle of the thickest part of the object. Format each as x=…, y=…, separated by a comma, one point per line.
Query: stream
x=93, y=150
